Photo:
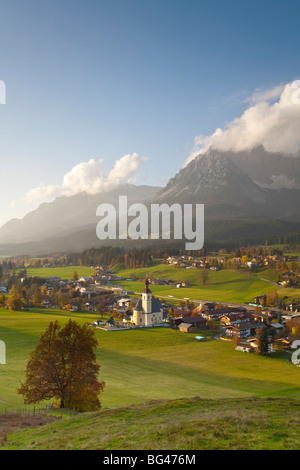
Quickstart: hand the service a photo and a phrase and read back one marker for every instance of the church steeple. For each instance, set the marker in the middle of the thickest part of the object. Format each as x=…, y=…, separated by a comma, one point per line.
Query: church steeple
x=147, y=290
x=147, y=298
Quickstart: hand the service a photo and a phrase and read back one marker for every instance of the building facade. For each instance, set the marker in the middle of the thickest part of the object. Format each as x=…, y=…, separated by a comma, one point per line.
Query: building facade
x=148, y=311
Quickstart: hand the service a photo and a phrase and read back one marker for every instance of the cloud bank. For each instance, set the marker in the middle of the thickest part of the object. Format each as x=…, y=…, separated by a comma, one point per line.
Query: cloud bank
x=87, y=177
x=275, y=125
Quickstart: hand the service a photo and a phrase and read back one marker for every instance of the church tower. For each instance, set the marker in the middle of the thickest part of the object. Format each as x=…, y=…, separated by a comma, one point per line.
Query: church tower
x=146, y=298
x=148, y=310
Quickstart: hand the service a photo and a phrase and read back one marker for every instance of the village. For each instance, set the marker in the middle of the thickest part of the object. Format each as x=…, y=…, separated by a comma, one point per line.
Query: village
x=117, y=309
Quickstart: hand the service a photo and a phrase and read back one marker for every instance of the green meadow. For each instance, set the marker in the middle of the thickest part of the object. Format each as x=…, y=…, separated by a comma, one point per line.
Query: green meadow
x=65, y=272
x=222, y=286
x=151, y=363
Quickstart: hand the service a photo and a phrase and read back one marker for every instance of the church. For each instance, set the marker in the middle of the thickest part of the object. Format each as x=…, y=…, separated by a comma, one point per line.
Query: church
x=147, y=311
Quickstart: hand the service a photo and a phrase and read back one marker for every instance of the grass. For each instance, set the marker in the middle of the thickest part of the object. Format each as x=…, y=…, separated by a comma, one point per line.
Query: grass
x=65, y=272
x=182, y=424
x=222, y=286
x=147, y=372
x=12, y=422
x=154, y=363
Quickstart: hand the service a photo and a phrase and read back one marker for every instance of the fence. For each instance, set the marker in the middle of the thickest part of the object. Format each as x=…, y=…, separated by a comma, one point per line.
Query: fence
x=48, y=411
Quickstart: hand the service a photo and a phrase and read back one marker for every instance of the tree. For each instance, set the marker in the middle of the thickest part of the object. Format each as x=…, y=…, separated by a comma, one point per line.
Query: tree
x=204, y=276
x=14, y=303
x=100, y=309
x=63, y=367
x=244, y=260
x=75, y=276
x=262, y=338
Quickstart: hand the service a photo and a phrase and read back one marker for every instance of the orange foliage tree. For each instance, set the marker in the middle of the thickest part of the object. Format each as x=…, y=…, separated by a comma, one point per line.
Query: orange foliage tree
x=63, y=367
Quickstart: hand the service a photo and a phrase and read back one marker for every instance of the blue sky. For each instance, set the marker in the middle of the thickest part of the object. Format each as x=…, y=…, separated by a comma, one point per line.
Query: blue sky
x=104, y=78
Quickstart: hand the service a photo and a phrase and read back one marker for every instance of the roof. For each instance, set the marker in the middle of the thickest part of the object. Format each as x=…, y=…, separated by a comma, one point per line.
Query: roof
x=244, y=346
x=155, y=305
x=238, y=315
x=195, y=319
x=185, y=325
x=276, y=325
x=244, y=326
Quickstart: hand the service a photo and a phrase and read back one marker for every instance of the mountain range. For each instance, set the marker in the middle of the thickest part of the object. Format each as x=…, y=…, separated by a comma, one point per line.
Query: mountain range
x=245, y=194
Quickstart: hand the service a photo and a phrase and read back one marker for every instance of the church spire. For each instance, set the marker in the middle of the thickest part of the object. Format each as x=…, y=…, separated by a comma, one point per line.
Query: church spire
x=147, y=290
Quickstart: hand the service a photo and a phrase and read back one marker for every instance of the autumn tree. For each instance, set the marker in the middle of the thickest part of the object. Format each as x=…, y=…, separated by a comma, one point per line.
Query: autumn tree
x=63, y=367
x=14, y=303
x=294, y=327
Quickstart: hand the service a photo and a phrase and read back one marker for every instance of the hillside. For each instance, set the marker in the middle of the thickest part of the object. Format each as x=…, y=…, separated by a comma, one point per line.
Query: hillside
x=182, y=424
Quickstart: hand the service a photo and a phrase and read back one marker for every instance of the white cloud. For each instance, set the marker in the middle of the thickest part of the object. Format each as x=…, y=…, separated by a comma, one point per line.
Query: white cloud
x=86, y=177
x=265, y=95
x=275, y=125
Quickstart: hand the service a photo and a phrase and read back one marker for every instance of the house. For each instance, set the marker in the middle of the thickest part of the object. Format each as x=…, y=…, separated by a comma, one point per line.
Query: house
x=277, y=327
x=198, y=321
x=147, y=311
x=283, y=343
x=216, y=314
x=123, y=302
x=251, y=264
x=254, y=343
x=187, y=328
x=85, y=279
x=241, y=330
x=110, y=323
x=235, y=317
x=244, y=347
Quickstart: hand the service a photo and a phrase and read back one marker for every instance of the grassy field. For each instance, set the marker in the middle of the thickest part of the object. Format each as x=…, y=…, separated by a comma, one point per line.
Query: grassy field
x=183, y=424
x=157, y=363
x=244, y=400
x=222, y=286
x=65, y=272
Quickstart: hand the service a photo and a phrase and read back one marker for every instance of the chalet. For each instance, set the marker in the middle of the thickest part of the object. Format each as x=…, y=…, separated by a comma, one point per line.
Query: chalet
x=263, y=317
x=234, y=317
x=187, y=328
x=216, y=314
x=241, y=330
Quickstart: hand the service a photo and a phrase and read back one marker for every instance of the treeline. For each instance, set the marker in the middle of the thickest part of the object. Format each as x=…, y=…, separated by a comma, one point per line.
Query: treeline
x=110, y=256
x=133, y=258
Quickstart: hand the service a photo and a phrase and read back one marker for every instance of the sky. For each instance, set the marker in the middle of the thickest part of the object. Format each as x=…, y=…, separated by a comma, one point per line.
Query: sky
x=100, y=92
